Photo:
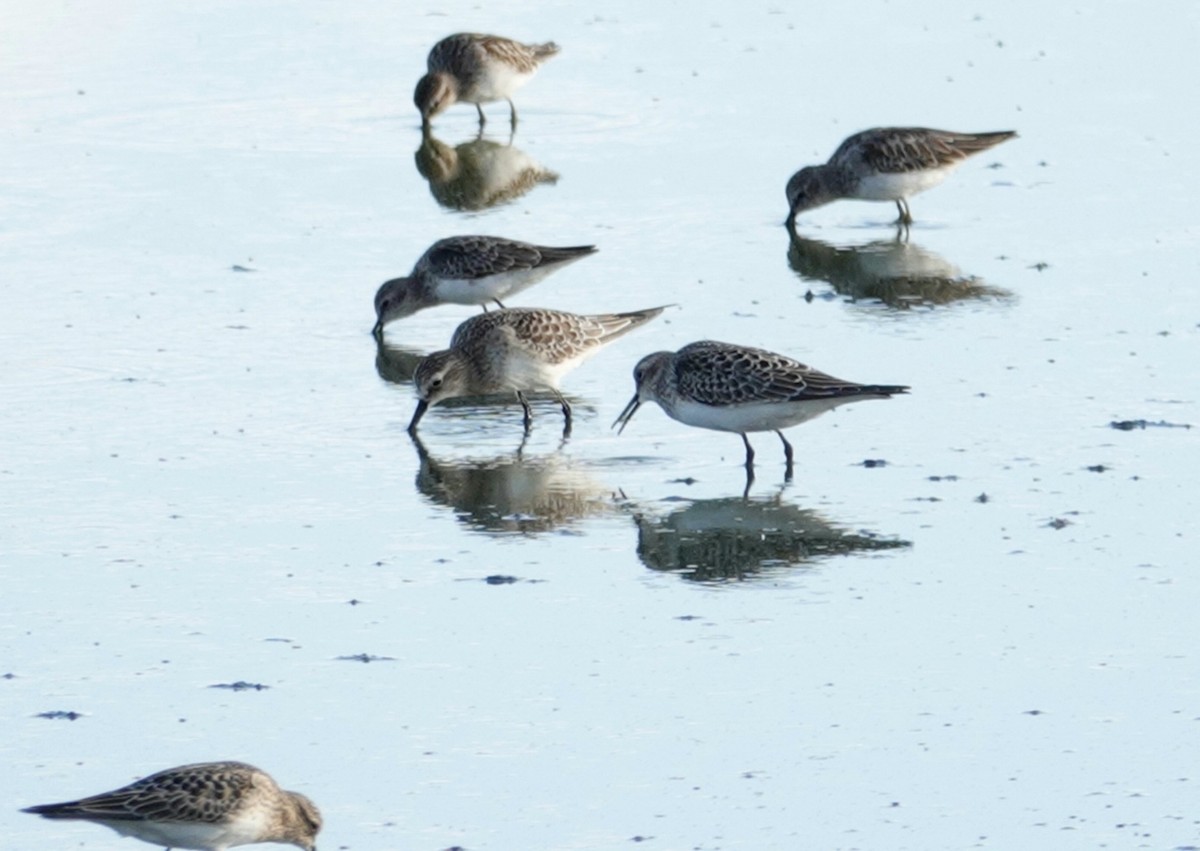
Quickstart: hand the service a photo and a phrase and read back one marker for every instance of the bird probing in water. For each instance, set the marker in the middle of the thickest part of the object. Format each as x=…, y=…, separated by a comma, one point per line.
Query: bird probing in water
x=476, y=68
x=886, y=164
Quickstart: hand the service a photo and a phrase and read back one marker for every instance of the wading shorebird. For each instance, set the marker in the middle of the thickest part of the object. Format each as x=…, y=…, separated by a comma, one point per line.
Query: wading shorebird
x=740, y=389
x=209, y=806
x=470, y=270
x=885, y=164
x=518, y=350
x=476, y=68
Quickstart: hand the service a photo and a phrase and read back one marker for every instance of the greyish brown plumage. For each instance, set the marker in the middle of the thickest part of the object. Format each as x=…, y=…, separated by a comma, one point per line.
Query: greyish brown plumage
x=886, y=164
x=470, y=270
x=478, y=174
x=209, y=806
x=741, y=389
x=477, y=68
x=515, y=351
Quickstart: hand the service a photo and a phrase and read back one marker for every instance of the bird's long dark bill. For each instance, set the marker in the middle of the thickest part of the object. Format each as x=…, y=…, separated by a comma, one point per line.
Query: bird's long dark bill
x=627, y=414
x=422, y=407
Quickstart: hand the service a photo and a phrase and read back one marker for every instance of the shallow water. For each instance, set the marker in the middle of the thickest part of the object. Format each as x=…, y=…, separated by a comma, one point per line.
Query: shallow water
x=985, y=641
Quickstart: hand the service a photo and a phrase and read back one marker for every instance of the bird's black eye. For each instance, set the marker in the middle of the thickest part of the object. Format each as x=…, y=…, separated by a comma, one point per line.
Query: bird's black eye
x=436, y=383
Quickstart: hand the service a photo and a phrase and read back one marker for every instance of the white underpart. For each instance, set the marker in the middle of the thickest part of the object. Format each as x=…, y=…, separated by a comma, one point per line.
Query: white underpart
x=754, y=416
x=246, y=828
x=498, y=83
x=893, y=185
x=491, y=288
x=524, y=372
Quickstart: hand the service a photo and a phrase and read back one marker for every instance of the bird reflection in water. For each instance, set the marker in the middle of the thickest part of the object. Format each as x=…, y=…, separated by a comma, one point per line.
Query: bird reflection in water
x=478, y=174
x=396, y=364
x=896, y=272
x=718, y=540
x=514, y=493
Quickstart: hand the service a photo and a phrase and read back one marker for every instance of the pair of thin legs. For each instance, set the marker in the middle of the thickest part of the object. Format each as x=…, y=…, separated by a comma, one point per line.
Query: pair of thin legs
x=512, y=115
x=563, y=403
x=788, y=454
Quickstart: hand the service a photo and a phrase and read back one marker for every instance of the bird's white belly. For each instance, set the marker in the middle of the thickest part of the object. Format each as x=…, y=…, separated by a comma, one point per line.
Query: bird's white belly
x=892, y=185
x=753, y=416
x=175, y=834
x=483, y=290
x=525, y=372
x=500, y=81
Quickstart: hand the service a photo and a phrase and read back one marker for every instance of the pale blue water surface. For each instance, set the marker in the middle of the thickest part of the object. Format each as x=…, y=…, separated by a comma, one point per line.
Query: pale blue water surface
x=989, y=641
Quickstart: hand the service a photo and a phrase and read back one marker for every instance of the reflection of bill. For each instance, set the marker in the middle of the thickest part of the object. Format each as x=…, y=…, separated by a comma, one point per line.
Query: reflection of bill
x=478, y=174
x=896, y=272
x=738, y=538
x=396, y=364
x=512, y=494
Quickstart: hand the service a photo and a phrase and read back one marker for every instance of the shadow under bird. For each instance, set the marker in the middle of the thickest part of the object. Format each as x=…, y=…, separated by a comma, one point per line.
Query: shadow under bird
x=470, y=270
x=209, y=806
x=476, y=68
x=886, y=164
x=518, y=350
x=740, y=389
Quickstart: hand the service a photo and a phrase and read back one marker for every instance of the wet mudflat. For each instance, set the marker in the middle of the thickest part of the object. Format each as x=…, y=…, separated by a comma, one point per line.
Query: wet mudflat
x=968, y=620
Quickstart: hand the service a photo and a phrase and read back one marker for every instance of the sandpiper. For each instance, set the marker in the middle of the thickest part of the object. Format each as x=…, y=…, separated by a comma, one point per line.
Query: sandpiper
x=209, y=806
x=886, y=164
x=470, y=270
x=517, y=350
x=727, y=387
x=477, y=69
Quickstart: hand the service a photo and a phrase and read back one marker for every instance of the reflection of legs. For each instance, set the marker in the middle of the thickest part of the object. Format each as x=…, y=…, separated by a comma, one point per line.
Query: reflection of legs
x=528, y=413
x=566, y=409
x=513, y=119
x=749, y=453
x=788, y=454
x=482, y=117
x=749, y=482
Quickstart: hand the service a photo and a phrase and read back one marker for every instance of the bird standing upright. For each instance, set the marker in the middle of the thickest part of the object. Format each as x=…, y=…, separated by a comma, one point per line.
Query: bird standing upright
x=726, y=387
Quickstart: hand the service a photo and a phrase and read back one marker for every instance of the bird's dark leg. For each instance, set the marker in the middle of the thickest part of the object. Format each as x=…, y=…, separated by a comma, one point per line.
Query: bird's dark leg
x=566, y=409
x=499, y=304
x=788, y=454
x=513, y=119
x=906, y=218
x=528, y=413
x=482, y=117
x=749, y=452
